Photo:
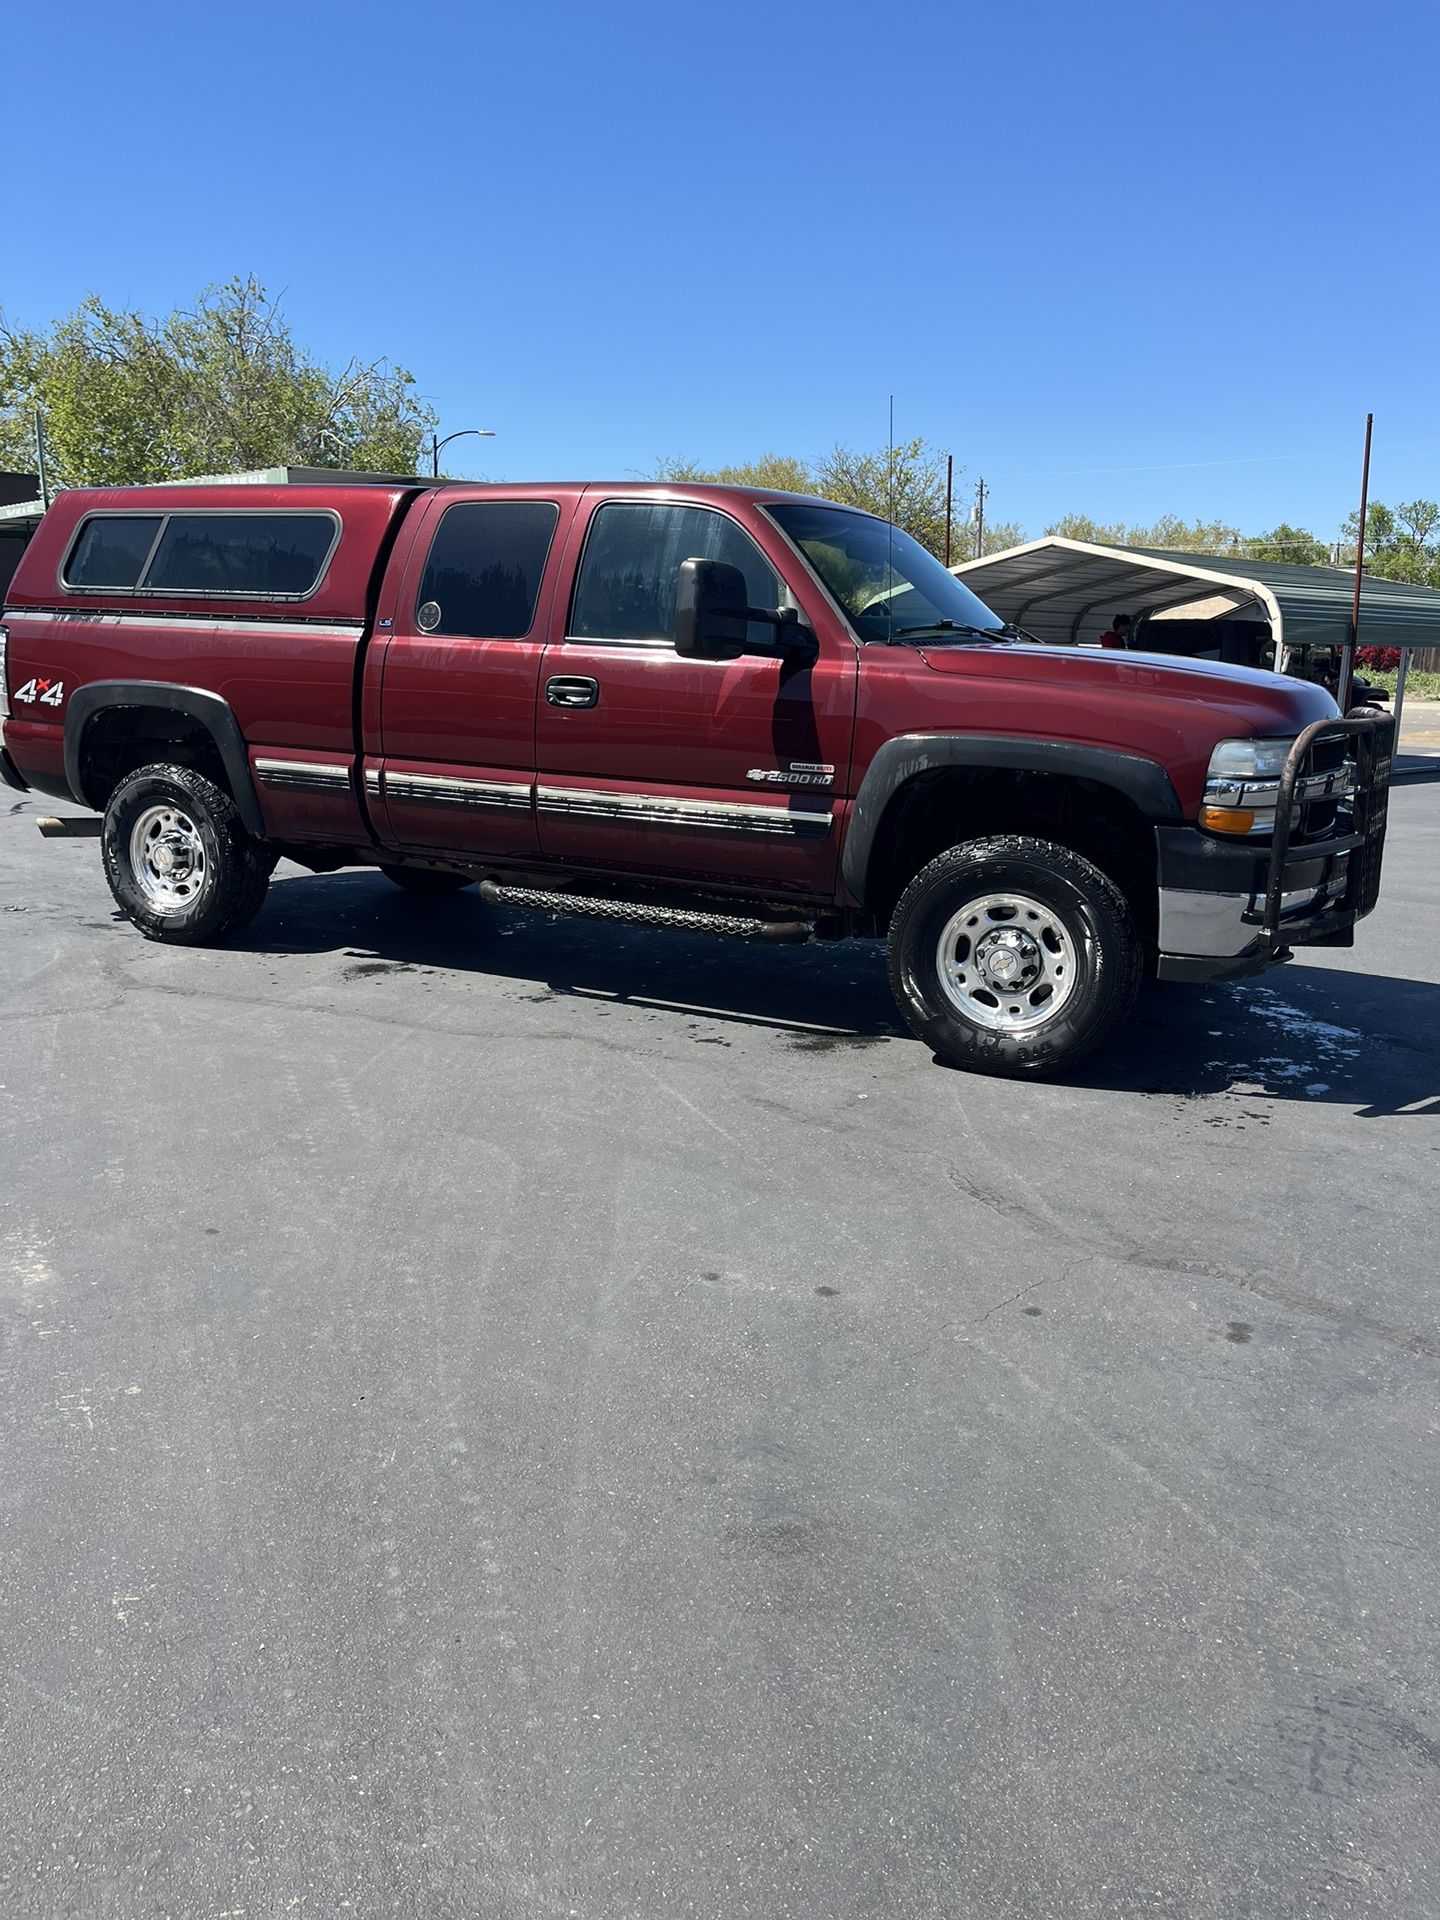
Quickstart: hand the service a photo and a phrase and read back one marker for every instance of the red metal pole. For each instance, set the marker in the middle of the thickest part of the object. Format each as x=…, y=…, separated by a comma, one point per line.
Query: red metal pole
x=1347, y=660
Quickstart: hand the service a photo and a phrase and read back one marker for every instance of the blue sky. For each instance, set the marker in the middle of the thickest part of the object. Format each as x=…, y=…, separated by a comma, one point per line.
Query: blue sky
x=1121, y=259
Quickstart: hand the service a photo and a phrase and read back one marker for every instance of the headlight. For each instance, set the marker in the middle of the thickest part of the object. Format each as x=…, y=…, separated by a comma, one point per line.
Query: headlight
x=1243, y=784
x=1245, y=776
x=1249, y=759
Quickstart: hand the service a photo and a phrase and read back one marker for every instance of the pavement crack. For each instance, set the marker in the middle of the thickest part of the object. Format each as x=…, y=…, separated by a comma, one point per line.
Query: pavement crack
x=1008, y=1301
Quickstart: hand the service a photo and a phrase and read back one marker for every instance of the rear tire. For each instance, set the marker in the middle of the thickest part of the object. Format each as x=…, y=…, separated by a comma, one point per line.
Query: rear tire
x=429, y=880
x=179, y=862
x=1013, y=956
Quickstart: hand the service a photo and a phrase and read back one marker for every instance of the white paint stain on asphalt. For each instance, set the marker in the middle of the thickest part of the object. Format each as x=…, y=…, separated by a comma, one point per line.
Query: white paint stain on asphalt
x=24, y=1256
x=1320, y=1047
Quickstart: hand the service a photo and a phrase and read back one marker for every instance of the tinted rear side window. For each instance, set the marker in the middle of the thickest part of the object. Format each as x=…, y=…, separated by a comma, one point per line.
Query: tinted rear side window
x=242, y=553
x=485, y=567
x=111, y=550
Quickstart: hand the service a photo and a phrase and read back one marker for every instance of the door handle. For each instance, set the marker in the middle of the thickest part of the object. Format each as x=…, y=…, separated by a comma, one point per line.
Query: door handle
x=572, y=690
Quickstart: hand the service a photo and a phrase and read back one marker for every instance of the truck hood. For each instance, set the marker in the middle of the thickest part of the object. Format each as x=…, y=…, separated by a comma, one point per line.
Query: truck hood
x=1151, y=705
x=1256, y=701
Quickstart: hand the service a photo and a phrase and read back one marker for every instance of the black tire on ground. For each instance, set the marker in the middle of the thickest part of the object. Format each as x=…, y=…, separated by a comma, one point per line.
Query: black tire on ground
x=203, y=876
x=1052, y=920
x=432, y=880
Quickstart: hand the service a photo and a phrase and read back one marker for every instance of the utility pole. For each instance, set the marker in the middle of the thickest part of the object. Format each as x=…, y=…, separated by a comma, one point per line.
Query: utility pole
x=949, y=499
x=979, y=518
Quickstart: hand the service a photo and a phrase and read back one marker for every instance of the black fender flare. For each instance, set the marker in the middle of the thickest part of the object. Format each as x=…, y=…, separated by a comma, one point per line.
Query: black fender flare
x=196, y=703
x=909, y=754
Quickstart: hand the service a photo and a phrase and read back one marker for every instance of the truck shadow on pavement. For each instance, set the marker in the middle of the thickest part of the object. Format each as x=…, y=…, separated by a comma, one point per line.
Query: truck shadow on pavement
x=820, y=991
x=1299, y=1032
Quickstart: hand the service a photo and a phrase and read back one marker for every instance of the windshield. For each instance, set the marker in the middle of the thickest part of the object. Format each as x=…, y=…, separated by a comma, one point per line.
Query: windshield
x=885, y=581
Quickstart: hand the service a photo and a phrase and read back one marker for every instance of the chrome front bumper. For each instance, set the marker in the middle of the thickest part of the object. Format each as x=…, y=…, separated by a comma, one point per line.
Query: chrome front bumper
x=1212, y=936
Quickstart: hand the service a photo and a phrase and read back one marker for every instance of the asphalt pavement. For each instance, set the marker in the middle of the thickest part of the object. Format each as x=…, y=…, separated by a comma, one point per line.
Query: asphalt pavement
x=509, y=1419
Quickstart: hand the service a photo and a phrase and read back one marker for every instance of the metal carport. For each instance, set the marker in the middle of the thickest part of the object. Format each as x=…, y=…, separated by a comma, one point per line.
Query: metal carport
x=1065, y=592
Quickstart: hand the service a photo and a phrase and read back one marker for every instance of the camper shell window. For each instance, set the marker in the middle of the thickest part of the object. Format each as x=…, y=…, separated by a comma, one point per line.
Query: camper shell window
x=209, y=555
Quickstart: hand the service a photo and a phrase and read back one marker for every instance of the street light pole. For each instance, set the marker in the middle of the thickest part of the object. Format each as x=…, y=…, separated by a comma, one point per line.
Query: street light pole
x=437, y=444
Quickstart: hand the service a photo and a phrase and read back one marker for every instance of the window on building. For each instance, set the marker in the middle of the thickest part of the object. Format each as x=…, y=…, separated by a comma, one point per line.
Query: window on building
x=631, y=569
x=482, y=577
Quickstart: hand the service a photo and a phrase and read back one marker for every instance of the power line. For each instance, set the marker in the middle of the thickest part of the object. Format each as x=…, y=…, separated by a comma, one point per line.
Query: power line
x=1185, y=466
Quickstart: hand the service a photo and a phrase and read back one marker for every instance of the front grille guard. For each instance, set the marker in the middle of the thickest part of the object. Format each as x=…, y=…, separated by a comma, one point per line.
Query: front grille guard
x=1372, y=737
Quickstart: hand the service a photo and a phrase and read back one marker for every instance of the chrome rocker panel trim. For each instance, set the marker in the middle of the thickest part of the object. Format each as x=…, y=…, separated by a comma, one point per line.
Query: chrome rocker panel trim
x=723, y=816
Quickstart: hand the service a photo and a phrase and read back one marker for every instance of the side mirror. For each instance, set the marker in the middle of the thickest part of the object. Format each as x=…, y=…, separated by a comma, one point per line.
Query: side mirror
x=710, y=609
x=711, y=618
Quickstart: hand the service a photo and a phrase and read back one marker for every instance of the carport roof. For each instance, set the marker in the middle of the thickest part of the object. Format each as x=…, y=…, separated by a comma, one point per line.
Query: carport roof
x=1057, y=588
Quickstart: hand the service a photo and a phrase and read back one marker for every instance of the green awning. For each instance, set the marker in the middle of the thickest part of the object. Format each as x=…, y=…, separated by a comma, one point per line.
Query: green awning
x=1066, y=591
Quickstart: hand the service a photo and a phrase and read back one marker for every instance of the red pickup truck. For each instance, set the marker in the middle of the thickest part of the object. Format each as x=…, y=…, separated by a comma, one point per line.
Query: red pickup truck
x=712, y=708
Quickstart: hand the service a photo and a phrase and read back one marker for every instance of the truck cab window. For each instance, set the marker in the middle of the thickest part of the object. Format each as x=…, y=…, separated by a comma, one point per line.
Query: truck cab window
x=485, y=566
x=630, y=571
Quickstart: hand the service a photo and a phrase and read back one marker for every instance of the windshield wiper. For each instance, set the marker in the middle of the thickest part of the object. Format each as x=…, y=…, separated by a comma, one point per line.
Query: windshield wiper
x=943, y=628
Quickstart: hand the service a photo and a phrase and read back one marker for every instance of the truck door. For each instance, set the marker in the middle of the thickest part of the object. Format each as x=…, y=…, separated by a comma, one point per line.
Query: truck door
x=649, y=762
x=450, y=763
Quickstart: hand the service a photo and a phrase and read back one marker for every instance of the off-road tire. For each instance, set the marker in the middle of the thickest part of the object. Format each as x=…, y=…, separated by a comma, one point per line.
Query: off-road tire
x=1102, y=947
x=427, y=880
x=237, y=868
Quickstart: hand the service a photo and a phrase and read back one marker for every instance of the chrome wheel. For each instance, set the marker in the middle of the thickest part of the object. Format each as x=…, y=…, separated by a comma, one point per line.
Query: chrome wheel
x=167, y=858
x=1007, y=962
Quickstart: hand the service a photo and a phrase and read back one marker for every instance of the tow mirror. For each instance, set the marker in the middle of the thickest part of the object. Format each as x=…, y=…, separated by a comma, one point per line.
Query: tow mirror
x=712, y=618
x=710, y=608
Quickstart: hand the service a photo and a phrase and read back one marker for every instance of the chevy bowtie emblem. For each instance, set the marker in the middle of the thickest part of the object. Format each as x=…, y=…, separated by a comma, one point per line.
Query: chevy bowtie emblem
x=800, y=773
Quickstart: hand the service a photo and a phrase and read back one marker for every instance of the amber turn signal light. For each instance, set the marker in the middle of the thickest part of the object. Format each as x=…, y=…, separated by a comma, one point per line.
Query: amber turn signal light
x=1228, y=819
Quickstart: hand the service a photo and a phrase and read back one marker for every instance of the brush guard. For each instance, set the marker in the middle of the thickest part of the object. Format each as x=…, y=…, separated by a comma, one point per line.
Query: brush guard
x=1360, y=841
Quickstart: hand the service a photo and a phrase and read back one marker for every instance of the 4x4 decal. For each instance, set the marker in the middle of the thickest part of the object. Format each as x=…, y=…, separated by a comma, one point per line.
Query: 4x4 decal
x=50, y=693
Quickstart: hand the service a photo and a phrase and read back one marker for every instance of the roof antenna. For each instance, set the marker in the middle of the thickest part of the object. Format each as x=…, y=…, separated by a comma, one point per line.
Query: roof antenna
x=890, y=523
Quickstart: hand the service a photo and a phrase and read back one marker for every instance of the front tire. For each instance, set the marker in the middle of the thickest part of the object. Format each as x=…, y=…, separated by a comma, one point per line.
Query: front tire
x=1013, y=956
x=179, y=862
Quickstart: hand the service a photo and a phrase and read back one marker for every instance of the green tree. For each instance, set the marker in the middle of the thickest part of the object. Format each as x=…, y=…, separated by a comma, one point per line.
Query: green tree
x=1399, y=542
x=782, y=471
x=1418, y=518
x=911, y=482
x=906, y=485
x=1292, y=545
x=1169, y=532
x=1079, y=526
x=215, y=389
x=682, y=472
x=997, y=536
x=1186, y=536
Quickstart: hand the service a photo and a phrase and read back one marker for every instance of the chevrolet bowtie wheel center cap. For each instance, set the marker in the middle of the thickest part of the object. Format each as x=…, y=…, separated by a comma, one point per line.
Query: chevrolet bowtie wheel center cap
x=1008, y=959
